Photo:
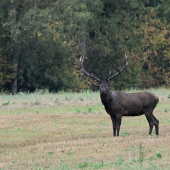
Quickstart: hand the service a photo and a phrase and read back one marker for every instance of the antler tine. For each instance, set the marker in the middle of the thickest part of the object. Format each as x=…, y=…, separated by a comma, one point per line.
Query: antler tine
x=85, y=72
x=126, y=63
x=108, y=75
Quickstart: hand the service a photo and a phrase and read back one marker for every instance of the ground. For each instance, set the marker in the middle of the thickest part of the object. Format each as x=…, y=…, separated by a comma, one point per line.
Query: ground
x=73, y=131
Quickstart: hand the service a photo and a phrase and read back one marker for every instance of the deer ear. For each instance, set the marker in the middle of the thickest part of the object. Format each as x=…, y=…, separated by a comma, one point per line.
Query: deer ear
x=110, y=83
x=96, y=83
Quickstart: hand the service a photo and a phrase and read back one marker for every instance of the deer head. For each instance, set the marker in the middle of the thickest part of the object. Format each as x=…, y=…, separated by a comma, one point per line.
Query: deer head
x=104, y=85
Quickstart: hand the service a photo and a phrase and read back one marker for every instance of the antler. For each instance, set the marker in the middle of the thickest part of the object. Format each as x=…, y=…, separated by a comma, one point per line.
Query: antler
x=126, y=63
x=87, y=74
x=108, y=75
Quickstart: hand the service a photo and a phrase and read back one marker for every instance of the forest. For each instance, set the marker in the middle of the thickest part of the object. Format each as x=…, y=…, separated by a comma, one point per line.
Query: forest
x=41, y=42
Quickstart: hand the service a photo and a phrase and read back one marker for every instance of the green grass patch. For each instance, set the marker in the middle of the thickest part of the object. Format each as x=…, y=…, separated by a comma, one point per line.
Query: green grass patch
x=73, y=131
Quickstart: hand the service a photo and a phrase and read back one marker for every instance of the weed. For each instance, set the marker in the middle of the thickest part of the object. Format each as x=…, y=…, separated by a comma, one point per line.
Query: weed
x=148, y=150
x=133, y=160
x=99, y=166
x=98, y=139
x=18, y=129
x=85, y=113
x=124, y=134
x=39, y=91
x=69, y=152
x=65, y=167
x=166, y=110
x=90, y=110
x=78, y=111
x=56, y=120
x=37, y=102
x=47, y=166
x=130, y=148
x=151, y=158
x=158, y=155
x=67, y=99
x=14, y=121
x=80, y=98
x=6, y=130
x=141, y=153
x=50, y=153
x=169, y=96
x=5, y=104
x=88, y=91
x=14, y=162
x=4, y=92
x=36, y=164
x=61, y=161
x=83, y=165
x=120, y=161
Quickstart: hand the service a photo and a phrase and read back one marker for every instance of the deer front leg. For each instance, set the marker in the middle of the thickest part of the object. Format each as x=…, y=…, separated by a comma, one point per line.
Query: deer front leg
x=118, y=123
x=114, y=125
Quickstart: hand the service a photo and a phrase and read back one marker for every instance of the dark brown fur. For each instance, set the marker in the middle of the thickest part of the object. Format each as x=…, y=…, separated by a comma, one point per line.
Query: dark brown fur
x=118, y=104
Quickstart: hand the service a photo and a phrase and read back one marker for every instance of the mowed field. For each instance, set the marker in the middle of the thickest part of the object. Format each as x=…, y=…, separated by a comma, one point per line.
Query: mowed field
x=73, y=131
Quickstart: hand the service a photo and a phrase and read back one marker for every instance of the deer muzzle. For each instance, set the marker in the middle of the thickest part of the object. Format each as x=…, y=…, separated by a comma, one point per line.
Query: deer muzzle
x=103, y=93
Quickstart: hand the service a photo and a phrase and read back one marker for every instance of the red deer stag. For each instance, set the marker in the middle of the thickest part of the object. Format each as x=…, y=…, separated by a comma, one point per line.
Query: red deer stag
x=118, y=104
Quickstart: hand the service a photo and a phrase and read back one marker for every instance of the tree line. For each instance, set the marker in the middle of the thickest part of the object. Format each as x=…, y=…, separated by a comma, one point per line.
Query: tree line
x=41, y=42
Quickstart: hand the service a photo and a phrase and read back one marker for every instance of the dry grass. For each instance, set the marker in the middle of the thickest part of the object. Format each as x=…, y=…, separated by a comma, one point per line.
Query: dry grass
x=73, y=131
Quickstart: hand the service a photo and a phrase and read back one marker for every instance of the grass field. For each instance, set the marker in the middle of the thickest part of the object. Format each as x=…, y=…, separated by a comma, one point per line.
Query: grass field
x=73, y=131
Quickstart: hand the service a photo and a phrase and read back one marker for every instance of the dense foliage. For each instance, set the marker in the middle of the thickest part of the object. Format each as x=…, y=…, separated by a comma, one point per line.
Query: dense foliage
x=45, y=38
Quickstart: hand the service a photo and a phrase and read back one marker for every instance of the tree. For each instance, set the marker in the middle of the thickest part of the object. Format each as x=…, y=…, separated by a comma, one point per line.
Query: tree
x=45, y=39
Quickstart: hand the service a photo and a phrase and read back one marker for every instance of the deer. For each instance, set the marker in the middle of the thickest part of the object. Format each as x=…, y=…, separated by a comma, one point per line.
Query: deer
x=118, y=104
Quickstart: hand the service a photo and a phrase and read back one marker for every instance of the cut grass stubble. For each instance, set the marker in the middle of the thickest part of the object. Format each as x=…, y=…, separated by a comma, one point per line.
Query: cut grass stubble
x=75, y=133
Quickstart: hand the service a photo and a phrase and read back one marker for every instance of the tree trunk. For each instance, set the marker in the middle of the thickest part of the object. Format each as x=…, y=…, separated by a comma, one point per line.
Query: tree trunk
x=14, y=80
x=13, y=20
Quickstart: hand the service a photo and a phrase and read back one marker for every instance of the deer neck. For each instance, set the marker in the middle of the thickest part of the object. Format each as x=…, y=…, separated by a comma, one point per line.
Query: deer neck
x=107, y=98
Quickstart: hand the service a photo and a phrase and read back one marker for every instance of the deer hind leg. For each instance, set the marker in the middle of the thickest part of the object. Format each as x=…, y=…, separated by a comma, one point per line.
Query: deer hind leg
x=156, y=123
x=118, y=123
x=150, y=121
x=114, y=125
